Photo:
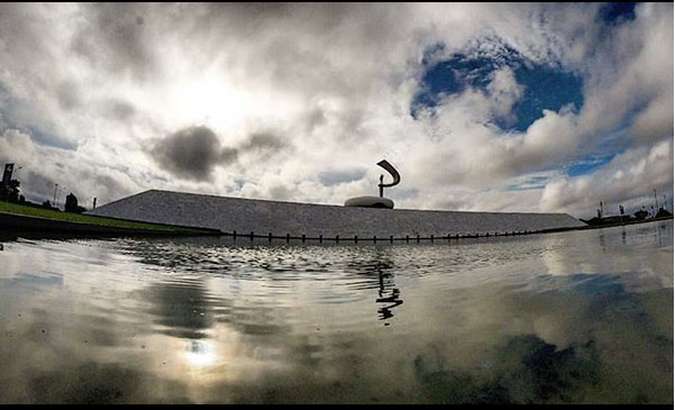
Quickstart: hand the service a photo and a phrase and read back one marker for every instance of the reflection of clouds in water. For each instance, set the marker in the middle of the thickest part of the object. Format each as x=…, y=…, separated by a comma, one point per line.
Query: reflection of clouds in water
x=525, y=370
x=628, y=331
x=31, y=281
x=181, y=308
x=208, y=323
x=634, y=252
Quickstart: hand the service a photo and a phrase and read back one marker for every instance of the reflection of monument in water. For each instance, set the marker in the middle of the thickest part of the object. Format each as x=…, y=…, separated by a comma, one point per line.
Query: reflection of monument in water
x=378, y=272
x=358, y=220
x=389, y=296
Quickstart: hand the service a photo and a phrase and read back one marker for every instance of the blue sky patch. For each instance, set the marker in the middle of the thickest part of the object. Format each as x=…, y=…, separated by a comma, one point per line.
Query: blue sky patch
x=534, y=182
x=614, y=13
x=589, y=164
x=546, y=87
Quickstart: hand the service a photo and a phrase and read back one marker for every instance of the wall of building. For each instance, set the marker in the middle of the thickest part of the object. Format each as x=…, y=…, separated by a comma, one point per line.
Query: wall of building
x=297, y=219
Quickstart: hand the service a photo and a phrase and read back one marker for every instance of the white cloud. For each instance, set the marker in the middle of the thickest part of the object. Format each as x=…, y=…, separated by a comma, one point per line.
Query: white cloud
x=505, y=92
x=629, y=177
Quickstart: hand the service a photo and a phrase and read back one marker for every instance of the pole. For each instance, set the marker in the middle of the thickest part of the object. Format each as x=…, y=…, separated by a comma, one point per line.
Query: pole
x=56, y=186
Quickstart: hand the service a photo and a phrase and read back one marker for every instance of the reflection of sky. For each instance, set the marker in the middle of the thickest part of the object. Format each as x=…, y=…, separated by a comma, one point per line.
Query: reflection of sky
x=28, y=279
x=258, y=324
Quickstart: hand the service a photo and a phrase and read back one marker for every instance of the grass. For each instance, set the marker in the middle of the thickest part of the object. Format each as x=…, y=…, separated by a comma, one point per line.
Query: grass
x=23, y=210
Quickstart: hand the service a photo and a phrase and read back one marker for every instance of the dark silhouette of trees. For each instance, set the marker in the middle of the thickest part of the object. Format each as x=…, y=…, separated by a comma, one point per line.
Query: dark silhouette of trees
x=71, y=204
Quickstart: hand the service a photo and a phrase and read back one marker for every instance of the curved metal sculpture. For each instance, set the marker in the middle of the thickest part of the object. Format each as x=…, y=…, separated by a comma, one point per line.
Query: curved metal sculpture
x=381, y=201
x=390, y=168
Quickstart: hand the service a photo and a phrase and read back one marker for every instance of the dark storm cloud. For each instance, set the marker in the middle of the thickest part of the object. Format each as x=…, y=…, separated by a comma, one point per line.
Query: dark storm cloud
x=194, y=152
x=190, y=153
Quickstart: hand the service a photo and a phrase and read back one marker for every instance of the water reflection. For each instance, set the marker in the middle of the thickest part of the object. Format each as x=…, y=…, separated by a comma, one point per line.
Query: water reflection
x=570, y=317
x=526, y=370
x=200, y=354
x=181, y=309
x=377, y=268
x=389, y=295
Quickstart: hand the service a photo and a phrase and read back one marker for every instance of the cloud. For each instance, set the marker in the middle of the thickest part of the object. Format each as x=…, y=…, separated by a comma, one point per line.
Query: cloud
x=194, y=152
x=114, y=38
x=629, y=177
x=190, y=153
x=655, y=122
x=505, y=91
x=42, y=167
x=119, y=110
x=285, y=95
x=336, y=177
x=262, y=144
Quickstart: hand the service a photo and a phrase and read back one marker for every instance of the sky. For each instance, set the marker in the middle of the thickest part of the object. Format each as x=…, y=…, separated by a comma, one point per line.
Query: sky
x=481, y=107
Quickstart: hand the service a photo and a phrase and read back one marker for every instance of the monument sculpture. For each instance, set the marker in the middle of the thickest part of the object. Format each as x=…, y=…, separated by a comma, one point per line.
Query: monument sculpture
x=374, y=201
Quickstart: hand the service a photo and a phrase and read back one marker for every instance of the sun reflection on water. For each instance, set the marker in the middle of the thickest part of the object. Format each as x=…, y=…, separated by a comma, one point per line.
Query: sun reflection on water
x=200, y=354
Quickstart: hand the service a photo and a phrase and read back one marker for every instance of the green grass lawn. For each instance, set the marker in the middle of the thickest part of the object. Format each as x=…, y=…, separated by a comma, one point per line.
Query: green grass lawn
x=23, y=210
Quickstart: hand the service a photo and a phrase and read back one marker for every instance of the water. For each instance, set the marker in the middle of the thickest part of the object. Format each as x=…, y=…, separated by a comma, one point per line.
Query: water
x=581, y=317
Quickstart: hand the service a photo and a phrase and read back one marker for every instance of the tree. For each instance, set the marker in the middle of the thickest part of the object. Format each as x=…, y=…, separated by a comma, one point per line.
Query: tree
x=71, y=204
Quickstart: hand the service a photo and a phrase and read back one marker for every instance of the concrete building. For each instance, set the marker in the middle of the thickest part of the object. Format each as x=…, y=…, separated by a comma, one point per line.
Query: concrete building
x=263, y=217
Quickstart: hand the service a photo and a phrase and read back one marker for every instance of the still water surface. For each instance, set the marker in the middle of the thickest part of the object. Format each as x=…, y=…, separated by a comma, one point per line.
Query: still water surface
x=576, y=317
